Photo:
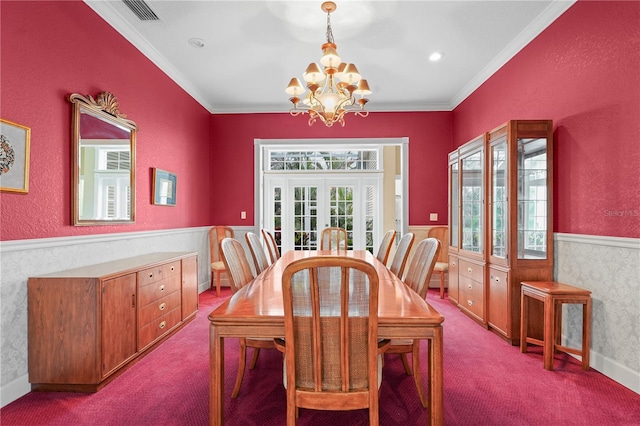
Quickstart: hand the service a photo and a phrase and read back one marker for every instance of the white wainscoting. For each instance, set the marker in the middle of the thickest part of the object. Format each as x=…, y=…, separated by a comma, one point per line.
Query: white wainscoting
x=22, y=259
x=610, y=268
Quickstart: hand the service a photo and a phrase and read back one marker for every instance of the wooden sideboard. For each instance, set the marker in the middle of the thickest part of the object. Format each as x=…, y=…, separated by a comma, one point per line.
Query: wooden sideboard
x=87, y=325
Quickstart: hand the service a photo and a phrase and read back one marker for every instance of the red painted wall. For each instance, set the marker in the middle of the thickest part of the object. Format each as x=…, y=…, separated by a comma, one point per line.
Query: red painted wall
x=52, y=49
x=583, y=72
x=233, y=135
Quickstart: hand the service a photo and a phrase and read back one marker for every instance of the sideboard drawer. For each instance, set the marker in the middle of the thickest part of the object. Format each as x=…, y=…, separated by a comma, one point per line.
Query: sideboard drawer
x=150, y=332
x=158, y=308
x=158, y=290
x=158, y=273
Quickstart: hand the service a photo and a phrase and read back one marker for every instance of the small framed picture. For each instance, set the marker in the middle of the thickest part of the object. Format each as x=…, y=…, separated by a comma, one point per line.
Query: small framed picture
x=14, y=157
x=164, y=187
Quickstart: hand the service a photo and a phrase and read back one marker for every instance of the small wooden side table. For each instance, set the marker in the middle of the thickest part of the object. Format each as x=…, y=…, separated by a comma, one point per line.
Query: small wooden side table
x=553, y=295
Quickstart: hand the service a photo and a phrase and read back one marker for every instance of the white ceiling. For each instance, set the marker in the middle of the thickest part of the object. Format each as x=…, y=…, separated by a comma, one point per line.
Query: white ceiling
x=253, y=48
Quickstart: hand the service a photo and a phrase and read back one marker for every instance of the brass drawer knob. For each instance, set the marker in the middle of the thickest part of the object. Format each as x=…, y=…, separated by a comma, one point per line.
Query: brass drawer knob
x=151, y=275
x=469, y=270
x=162, y=287
x=162, y=325
x=162, y=306
x=469, y=286
x=469, y=302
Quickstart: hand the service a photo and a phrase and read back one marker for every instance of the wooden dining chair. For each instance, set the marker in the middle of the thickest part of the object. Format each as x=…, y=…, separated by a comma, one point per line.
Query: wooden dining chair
x=257, y=252
x=217, y=234
x=417, y=279
x=240, y=274
x=402, y=253
x=331, y=344
x=441, y=233
x=333, y=239
x=385, y=246
x=274, y=253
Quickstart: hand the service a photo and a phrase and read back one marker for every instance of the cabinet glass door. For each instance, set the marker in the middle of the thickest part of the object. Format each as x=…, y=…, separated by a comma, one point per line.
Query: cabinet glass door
x=472, y=200
x=499, y=192
x=532, y=198
x=454, y=208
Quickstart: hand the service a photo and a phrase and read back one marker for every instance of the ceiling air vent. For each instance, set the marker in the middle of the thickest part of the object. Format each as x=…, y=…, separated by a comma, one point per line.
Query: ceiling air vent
x=141, y=10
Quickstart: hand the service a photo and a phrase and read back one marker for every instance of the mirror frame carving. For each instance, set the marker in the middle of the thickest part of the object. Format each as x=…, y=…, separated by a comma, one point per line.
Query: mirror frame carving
x=106, y=107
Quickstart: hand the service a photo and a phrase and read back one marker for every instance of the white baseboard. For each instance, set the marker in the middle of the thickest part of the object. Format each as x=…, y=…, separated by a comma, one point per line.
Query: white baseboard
x=15, y=389
x=610, y=368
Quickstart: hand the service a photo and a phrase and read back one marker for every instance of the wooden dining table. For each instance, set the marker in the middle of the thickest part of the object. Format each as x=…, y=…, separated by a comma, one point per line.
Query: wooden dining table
x=256, y=311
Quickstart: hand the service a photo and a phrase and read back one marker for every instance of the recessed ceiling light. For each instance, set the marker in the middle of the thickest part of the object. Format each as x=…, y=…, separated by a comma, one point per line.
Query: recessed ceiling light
x=197, y=42
x=436, y=56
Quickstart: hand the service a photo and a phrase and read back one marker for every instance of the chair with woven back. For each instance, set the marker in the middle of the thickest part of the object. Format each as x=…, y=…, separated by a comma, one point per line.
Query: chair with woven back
x=417, y=279
x=441, y=233
x=333, y=238
x=240, y=274
x=257, y=252
x=385, y=246
x=332, y=352
x=274, y=253
x=402, y=254
x=217, y=234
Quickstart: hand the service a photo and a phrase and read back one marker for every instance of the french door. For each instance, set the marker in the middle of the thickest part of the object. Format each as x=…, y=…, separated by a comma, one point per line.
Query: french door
x=297, y=208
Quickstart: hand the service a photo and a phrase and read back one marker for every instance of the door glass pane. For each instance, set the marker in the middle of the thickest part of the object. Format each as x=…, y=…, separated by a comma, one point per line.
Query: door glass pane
x=277, y=217
x=472, y=190
x=369, y=216
x=341, y=210
x=532, y=198
x=455, y=206
x=499, y=192
x=305, y=218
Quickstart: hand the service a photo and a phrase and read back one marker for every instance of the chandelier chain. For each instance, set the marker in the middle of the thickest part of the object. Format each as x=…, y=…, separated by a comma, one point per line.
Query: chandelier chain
x=329, y=31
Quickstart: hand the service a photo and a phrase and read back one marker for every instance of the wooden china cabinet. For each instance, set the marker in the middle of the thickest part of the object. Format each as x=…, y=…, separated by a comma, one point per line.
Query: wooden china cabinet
x=500, y=215
x=520, y=218
x=467, y=215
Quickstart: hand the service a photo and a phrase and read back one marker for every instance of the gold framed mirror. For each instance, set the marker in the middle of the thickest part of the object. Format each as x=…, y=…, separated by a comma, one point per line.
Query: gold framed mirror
x=103, y=160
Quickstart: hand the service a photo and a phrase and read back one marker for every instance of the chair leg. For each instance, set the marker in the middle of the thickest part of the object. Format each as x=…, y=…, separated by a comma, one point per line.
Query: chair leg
x=218, y=283
x=417, y=376
x=406, y=364
x=292, y=409
x=242, y=360
x=441, y=285
x=256, y=352
x=211, y=283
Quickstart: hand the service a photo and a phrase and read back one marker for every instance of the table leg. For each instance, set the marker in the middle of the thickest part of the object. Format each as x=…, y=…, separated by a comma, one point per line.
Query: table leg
x=586, y=334
x=216, y=368
x=524, y=319
x=435, y=356
x=549, y=335
x=557, y=327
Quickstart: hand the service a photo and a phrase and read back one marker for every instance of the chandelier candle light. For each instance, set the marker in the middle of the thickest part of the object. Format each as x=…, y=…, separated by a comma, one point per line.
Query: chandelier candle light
x=331, y=91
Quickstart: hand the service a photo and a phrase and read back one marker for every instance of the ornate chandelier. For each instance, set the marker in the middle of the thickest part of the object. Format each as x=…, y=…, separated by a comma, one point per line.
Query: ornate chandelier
x=331, y=90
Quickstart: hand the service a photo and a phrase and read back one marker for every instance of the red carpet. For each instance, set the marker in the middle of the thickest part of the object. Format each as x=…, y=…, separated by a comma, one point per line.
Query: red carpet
x=486, y=382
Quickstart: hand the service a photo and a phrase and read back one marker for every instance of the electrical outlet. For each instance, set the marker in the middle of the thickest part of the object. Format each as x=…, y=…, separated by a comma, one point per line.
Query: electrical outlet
x=243, y=215
x=433, y=217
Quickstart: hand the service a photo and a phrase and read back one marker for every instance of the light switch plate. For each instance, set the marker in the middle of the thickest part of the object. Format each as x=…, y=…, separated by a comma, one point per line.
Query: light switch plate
x=433, y=217
x=243, y=215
